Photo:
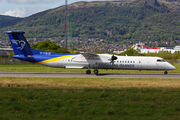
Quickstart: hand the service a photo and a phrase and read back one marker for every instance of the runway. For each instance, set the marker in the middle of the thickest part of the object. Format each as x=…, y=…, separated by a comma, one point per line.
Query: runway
x=83, y=75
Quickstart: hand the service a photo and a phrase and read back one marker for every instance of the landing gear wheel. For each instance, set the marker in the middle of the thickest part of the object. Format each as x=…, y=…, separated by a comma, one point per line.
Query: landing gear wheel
x=96, y=72
x=165, y=72
x=88, y=72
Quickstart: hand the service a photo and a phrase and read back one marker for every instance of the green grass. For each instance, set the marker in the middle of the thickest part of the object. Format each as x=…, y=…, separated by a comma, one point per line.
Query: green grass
x=96, y=104
x=40, y=68
x=89, y=98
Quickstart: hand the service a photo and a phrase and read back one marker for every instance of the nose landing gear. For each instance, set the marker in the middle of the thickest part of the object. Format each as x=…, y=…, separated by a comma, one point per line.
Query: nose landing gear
x=165, y=72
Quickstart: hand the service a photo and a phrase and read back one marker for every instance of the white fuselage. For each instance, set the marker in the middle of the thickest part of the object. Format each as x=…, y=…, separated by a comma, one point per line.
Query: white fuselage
x=102, y=61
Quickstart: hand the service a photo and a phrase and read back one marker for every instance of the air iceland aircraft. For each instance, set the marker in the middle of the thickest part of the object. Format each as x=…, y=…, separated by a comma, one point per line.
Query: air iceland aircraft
x=23, y=51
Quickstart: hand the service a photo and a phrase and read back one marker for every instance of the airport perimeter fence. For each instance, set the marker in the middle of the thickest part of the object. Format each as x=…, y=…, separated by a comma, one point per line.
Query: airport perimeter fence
x=16, y=61
x=12, y=61
x=175, y=61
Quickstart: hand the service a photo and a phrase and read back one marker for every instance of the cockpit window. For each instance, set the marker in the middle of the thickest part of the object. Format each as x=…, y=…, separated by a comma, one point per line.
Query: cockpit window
x=161, y=60
x=158, y=60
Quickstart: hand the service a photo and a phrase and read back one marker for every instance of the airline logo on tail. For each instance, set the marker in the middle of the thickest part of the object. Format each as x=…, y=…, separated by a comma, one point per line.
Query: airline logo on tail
x=20, y=43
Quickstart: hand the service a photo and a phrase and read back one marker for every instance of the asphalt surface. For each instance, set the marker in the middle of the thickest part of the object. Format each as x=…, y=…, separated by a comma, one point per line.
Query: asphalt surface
x=83, y=75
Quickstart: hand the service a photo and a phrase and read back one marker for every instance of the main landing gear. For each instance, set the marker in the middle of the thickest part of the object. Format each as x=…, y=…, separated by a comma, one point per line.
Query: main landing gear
x=165, y=72
x=96, y=72
x=89, y=72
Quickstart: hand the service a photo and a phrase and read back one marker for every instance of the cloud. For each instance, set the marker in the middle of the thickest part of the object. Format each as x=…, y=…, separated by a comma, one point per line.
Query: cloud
x=28, y=1
x=24, y=12
x=18, y=12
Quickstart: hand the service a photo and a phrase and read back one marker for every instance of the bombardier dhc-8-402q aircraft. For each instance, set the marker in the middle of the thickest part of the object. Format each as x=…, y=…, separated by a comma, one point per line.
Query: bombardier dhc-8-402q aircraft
x=23, y=51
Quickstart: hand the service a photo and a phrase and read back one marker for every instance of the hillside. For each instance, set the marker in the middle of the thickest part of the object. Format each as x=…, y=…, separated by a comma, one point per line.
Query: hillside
x=8, y=20
x=139, y=20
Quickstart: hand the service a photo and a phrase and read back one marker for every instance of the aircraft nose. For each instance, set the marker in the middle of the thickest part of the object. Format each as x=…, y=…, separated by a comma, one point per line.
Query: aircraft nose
x=171, y=67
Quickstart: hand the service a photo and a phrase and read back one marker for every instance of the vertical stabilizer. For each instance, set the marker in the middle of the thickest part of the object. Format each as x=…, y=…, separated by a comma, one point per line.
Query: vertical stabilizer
x=19, y=43
x=20, y=46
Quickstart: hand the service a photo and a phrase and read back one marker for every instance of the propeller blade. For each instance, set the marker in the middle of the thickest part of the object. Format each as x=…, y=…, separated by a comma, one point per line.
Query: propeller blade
x=112, y=59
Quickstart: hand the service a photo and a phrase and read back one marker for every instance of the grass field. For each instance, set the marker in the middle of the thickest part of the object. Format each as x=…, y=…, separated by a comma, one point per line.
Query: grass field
x=26, y=98
x=89, y=98
x=40, y=68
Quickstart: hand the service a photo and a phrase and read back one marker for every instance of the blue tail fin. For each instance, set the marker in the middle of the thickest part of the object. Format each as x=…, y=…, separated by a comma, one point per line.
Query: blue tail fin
x=23, y=51
x=20, y=46
x=19, y=43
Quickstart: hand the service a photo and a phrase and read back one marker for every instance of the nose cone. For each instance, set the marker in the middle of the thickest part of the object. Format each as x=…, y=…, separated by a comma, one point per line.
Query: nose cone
x=170, y=67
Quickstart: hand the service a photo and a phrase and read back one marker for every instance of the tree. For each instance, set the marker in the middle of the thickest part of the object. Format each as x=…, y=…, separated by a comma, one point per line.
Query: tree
x=10, y=55
x=49, y=46
x=132, y=52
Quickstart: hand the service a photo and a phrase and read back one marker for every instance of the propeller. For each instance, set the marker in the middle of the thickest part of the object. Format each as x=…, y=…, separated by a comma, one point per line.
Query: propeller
x=113, y=58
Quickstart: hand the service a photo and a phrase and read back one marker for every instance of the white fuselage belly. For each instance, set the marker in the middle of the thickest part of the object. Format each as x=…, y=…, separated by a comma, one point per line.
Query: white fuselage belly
x=103, y=62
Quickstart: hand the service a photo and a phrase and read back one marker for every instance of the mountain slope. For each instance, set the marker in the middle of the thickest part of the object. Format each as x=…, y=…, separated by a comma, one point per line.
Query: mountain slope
x=139, y=20
x=8, y=20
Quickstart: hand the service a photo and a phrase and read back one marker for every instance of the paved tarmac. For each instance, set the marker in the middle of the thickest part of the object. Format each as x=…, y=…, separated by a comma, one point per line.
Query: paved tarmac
x=83, y=75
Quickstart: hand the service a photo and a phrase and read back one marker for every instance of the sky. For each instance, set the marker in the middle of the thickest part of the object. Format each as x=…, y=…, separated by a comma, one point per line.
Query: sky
x=25, y=8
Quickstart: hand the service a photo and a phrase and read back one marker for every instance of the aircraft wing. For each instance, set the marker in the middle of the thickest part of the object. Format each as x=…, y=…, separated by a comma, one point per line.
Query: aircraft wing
x=89, y=55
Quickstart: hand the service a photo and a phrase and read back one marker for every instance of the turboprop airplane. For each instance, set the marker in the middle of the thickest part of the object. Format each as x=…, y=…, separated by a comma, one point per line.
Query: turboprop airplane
x=89, y=61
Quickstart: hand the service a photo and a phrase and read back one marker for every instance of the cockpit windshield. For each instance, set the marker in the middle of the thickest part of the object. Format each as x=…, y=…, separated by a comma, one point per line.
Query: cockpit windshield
x=161, y=60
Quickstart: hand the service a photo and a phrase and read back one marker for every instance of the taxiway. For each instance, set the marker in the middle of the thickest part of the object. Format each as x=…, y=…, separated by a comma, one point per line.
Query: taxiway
x=83, y=75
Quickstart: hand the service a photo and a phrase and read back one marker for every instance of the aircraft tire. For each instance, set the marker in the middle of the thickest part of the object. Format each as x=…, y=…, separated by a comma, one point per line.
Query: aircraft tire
x=96, y=72
x=88, y=72
x=165, y=72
